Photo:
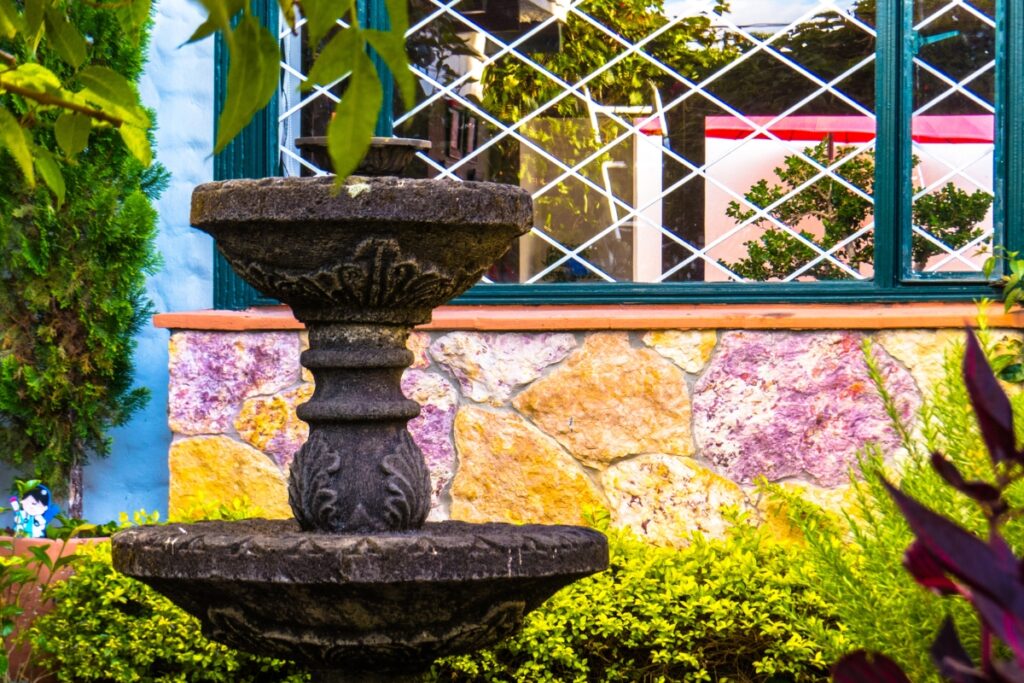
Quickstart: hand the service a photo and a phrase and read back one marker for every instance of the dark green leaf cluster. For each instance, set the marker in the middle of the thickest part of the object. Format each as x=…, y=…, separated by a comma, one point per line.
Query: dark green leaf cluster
x=732, y=609
x=72, y=279
x=108, y=627
x=802, y=211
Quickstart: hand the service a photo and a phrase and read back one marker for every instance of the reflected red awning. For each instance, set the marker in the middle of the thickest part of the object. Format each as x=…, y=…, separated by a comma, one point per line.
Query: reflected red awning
x=957, y=129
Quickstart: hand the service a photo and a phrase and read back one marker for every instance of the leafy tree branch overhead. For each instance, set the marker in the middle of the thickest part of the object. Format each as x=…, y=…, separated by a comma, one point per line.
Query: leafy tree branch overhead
x=33, y=97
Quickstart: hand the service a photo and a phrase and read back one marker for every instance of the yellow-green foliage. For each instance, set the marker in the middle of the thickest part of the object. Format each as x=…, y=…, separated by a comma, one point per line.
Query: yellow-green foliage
x=856, y=558
x=733, y=609
x=107, y=627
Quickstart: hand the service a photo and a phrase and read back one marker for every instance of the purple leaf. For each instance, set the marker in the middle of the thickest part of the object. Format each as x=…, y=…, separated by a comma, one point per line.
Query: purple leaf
x=1007, y=627
x=1008, y=672
x=976, y=490
x=995, y=417
x=867, y=667
x=982, y=567
x=951, y=659
x=927, y=571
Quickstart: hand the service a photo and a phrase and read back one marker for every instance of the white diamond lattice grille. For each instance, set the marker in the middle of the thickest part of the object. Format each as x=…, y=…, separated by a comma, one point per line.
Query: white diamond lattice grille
x=672, y=141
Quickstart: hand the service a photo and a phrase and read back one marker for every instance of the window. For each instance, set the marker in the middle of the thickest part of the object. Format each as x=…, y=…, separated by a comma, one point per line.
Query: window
x=785, y=150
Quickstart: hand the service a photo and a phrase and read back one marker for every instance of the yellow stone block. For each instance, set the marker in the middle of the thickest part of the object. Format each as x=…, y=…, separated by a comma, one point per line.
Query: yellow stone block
x=510, y=471
x=206, y=471
x=689, y=349
x=665, y=498
x=610, y=400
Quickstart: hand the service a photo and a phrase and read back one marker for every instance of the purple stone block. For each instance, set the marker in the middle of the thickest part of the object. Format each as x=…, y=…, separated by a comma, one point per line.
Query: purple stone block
x=785, y=404
x=211, y=373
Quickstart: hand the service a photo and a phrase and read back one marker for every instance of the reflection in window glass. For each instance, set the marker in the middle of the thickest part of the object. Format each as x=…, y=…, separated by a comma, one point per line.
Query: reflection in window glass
x=954, y=124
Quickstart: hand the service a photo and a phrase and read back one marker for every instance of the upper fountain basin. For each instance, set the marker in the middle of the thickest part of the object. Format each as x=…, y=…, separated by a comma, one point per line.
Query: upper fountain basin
x=375, y=250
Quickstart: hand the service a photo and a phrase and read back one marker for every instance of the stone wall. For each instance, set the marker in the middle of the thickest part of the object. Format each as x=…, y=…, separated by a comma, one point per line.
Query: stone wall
x=661, y=428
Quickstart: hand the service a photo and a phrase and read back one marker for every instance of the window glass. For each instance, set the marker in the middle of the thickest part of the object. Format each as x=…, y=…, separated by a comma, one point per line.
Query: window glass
x=953, y=128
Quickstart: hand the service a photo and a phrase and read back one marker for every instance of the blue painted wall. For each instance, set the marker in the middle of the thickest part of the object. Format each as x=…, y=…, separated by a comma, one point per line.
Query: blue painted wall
x=178, y=85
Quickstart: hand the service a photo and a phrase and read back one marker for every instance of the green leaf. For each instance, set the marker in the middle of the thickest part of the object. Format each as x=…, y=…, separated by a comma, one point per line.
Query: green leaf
x=49, y=171
x=34, y=77
x=321, y=15
x=16, y=140
x=398, y=16
x=40, y=555
x=114, y=94
x=109, y=85
x=137, y=142
x=391, y=48
x=349, y=132
x=65, y=38
x=72, y=132
x=1013, y=373
x=252, y=78
x=10, y=20
x=133, y=16
x=335, y=60
x=35, y=10
x=219, y=18
x=288, y=10
x=989, y=267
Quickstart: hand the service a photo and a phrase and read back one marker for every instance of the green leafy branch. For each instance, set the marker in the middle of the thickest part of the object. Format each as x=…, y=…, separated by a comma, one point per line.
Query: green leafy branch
x=33, y=96
x=253, y=67
x=94, y=96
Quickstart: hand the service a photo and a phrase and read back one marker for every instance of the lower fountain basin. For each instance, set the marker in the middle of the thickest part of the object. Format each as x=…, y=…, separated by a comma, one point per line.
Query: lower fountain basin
x=381, y=602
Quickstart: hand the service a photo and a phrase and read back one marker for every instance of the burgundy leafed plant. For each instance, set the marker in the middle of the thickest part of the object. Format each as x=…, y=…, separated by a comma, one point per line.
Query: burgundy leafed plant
x=950, y=560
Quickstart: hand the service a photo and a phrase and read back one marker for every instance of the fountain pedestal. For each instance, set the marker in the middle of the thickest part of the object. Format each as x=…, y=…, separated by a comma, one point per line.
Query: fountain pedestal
x=356, y=587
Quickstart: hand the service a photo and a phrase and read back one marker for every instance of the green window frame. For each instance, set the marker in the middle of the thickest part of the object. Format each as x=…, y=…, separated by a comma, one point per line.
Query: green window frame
x=254, y=154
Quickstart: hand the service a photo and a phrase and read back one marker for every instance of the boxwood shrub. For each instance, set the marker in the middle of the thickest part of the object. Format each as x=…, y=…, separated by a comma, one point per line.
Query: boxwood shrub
x=740, y=609
x=737, y=609
x=108, y=627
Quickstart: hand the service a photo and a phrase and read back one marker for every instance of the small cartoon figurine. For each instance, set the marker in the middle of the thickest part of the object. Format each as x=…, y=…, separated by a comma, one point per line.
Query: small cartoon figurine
x=32, y=512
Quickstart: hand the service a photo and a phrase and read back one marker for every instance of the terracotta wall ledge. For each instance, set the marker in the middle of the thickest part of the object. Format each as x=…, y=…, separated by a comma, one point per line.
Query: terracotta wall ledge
x=638, y=317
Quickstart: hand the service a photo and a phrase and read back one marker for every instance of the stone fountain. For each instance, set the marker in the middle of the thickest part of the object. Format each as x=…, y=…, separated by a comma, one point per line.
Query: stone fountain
x=358, y=587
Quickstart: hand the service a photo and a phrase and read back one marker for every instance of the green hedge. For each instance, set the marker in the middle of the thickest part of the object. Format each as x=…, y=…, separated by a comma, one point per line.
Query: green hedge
x=735, y=609
x=108, y=627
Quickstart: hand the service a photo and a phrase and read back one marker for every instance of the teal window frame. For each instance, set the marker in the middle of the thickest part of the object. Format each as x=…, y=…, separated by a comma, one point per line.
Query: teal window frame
x=254, y=154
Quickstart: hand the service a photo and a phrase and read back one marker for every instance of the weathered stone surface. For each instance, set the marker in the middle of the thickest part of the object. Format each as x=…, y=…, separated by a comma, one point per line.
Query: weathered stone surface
x=491, y=366
x=419, y=344
x=689, y=349
x=511, y=471
x=307, y=244
x=664, y=498
x=921, y=351
x=211, y=373
x=610, y=400
x=432, y=430
x=365, y=607
x=783, y=404
x=208, y=470
x=269, y=423
x=924, y=351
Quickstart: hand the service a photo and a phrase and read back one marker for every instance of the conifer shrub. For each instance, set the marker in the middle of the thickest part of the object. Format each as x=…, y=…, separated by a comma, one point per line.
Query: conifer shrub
x=733, y=609
x=72, y=280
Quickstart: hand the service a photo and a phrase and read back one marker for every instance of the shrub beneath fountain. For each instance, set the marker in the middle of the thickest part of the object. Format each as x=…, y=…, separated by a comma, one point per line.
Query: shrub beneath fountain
x=736, y=608
x=106, y=626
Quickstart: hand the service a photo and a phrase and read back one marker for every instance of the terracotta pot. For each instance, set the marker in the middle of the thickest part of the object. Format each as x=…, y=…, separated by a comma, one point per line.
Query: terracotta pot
x=29, y=597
